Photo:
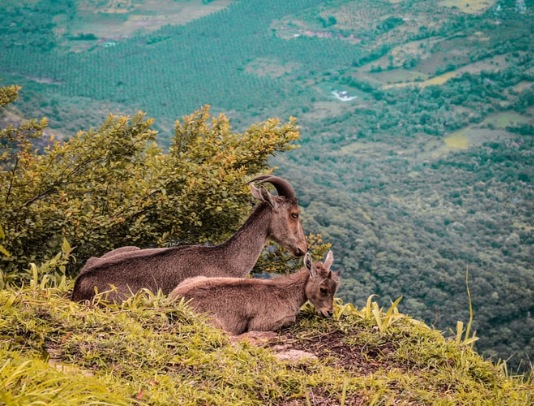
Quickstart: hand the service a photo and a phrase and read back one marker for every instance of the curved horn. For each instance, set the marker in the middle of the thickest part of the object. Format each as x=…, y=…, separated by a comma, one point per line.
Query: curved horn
x=282, y=186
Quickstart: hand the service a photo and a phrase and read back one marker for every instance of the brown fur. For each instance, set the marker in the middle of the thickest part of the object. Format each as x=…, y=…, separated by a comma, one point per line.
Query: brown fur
x=127, y=270
x=91, y=262
x=238, y=305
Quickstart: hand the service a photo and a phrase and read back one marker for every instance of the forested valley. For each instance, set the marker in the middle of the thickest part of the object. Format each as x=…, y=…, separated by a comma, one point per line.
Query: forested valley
x=416, y=119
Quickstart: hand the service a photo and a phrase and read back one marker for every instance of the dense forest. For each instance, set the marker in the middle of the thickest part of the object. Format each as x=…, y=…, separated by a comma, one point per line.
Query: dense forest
x=416, y=119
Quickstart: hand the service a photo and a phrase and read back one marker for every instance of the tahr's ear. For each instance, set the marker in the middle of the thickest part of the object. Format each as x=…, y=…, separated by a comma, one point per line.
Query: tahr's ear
x=329, y=259
x=262, y=195
x=308, y=263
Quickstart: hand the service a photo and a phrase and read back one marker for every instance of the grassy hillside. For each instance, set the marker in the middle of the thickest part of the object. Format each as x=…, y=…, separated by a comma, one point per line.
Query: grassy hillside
x=150, y=352
x=420, y=172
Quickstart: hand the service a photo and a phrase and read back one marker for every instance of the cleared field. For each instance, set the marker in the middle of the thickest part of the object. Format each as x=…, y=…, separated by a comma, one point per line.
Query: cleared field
x=397, y=57
x=392, y=77
x=349, y=19
x=522, y=86
x=355, y=16
x=438, y=80
x=489, y=64
x=119, y=19
x=421, y=63
x=272, y=68
x=505, y=119
x=457, y=141
x=324, y=109
x=469, y=6
x=461, y=140
x=424, y=149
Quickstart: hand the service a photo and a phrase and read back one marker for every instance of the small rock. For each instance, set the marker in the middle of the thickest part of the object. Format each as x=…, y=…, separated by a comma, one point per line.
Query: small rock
x=294, y=355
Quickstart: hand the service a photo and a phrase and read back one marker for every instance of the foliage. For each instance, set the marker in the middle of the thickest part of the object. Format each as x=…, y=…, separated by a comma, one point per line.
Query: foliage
x=113, y=186
x=149, y=350
x=275, y=259
x=3, y=251
x=384, y=321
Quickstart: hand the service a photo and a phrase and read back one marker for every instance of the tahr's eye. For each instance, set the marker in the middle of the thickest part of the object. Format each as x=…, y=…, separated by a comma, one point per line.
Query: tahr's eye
x=323, y=291
x=295, y=215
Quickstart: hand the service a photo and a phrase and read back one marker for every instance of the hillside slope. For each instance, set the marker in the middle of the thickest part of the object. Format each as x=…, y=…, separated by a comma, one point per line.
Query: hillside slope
x=150, y=351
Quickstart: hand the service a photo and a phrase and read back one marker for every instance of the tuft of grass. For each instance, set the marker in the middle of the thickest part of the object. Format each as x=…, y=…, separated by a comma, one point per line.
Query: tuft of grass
x=28, y=381
x=467, y=338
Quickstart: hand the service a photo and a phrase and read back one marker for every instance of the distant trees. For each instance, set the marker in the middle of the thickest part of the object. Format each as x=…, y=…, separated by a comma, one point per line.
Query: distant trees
x=389, y=23
x=328, y=21
x=29, y=24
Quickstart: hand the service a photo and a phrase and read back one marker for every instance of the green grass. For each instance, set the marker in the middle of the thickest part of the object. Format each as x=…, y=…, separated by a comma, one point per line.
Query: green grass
x=457, y=140
x=505, y=118
x=151, y=351
x=396, y=76
x=28, y=380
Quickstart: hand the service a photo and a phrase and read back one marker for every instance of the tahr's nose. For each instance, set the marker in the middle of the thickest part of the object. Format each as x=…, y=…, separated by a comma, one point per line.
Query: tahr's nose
x=326, y=313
